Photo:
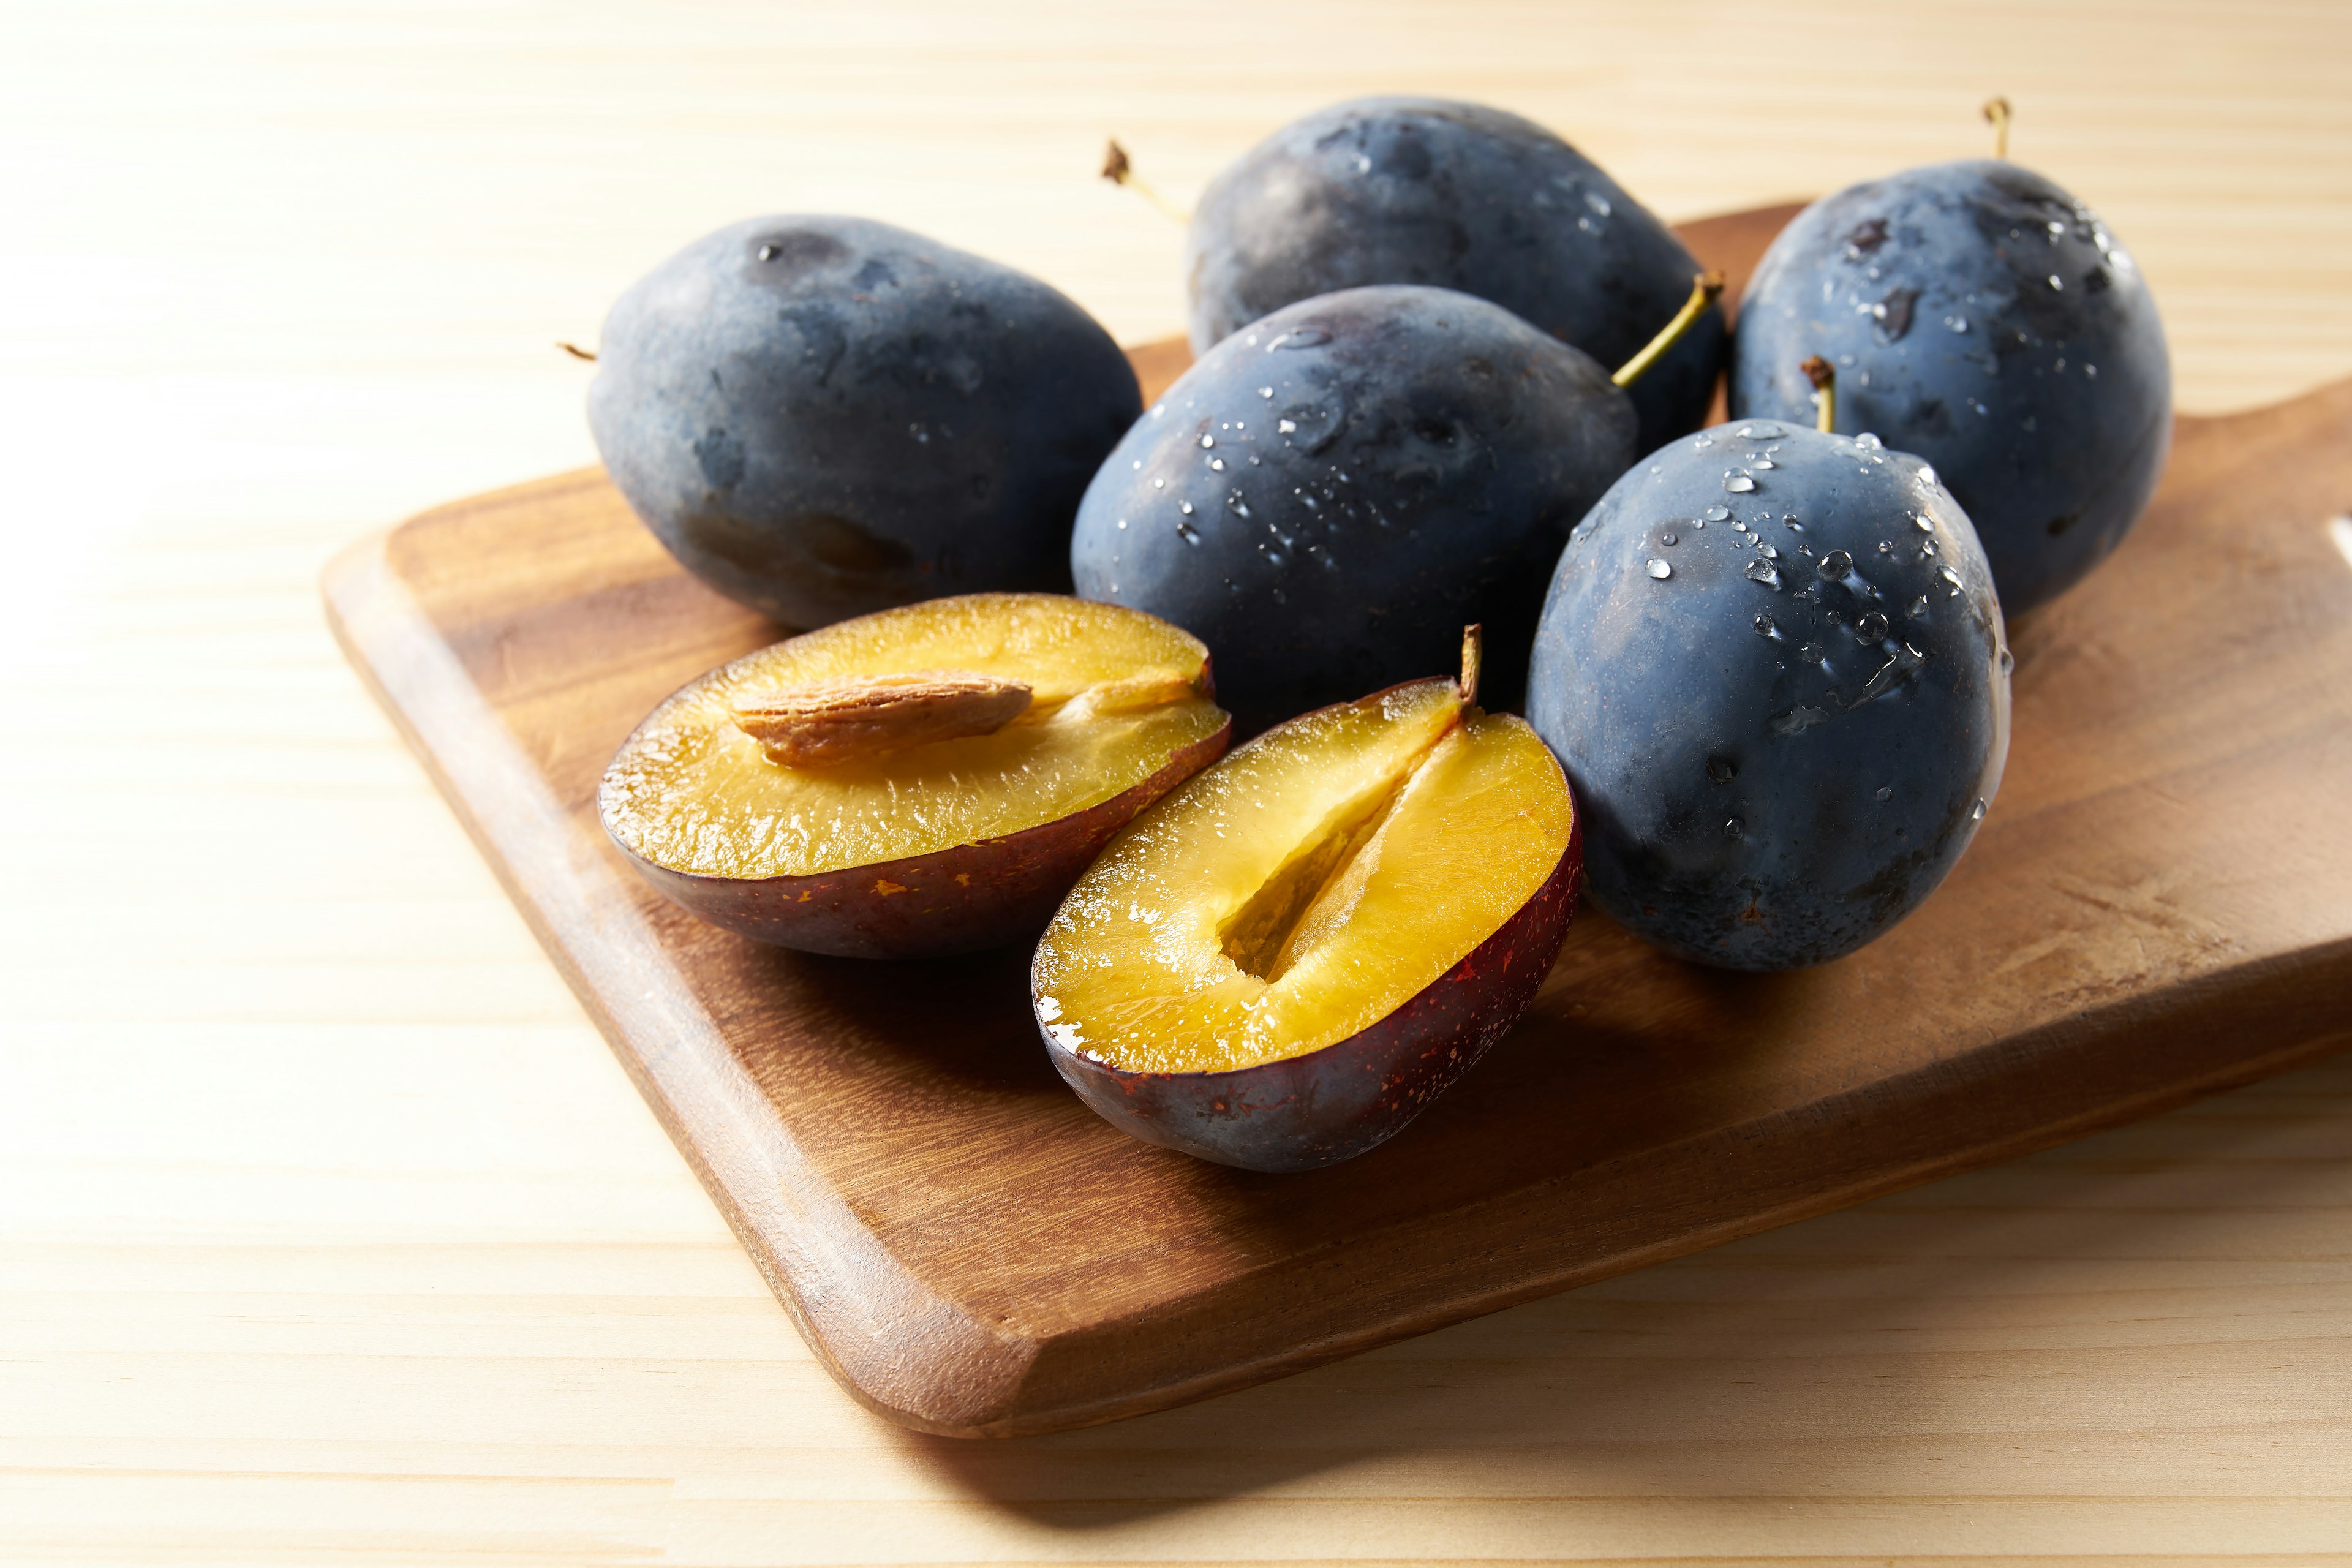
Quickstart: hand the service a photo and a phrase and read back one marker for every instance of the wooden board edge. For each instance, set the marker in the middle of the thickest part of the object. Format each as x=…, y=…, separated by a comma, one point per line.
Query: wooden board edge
x=1852, y=1109
x=854, y=1302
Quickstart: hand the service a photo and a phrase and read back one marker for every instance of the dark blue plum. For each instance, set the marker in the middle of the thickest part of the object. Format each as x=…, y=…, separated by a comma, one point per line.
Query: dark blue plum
x=1773, y=666
x=824, y=417
x=1983, y=319
x=1420, y=190
x=1327, y=497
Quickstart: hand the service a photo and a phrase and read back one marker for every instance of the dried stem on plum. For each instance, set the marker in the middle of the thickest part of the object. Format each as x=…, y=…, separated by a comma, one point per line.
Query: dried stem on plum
x=1824, y=379
x=1997, y=112
x=833, y=721
x=1704, y=287
x=1119, y=170
x=1473, y=657
x=576, y=351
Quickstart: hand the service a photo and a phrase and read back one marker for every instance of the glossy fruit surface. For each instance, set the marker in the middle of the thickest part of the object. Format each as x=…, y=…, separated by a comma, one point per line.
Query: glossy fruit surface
x=824, y=417
x=1327, y=497
x=1419, y=190
x=1773, y=665
x=1983, y=319
x=1281, y=964
x=937, y=846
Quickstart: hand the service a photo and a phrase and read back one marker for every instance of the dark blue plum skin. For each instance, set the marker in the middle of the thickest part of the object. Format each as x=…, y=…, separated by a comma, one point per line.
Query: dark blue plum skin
x=1327, y=497
x=1422, y=190
x=825, y=417
x=1980, y=317
x=1780, y=747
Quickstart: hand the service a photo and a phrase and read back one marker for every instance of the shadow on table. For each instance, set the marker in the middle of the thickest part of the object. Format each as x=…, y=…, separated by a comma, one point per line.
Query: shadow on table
x=1786, y=1363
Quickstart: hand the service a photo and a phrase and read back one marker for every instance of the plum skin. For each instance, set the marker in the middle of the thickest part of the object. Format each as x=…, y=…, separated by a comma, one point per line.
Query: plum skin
x=1439, y=450
x=2046, y=405
x=1748, y=808
x=824, y=417
x=966, y=898
x=1307, y=1112
x=1456, y=195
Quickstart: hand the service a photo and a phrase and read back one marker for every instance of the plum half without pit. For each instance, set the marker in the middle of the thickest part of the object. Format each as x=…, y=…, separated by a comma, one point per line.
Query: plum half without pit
x=918, y=782
x=1281, y=964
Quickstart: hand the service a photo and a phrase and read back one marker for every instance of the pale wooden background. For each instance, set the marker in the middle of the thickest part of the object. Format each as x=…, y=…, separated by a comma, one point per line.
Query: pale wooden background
x=329, y=1232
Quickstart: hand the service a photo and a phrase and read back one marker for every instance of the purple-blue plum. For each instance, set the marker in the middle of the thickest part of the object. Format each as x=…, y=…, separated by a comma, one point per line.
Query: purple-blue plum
x=1983, y=319
x=827, y=417
x=1455, y=196
x=1328, y=496
x=1773, y=665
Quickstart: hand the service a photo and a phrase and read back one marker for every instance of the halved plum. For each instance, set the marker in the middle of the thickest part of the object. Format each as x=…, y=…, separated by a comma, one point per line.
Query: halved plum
x=923, y=780
x=1282, y=962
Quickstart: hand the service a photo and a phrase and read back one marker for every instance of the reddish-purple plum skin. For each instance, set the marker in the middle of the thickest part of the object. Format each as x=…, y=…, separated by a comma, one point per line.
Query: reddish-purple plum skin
x=1352, y=1096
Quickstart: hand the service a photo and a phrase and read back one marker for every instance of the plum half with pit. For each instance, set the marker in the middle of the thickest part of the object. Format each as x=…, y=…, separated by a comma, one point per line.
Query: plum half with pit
x=1983, y=319
x=1329, y=495
x=1453, y=195
x=920, y=780
x=1773, y=665
x=1280, y=965
x=826, y=416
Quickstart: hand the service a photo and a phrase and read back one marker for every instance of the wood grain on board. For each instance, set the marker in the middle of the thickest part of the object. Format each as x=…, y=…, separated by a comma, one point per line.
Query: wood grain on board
x=2154, y=909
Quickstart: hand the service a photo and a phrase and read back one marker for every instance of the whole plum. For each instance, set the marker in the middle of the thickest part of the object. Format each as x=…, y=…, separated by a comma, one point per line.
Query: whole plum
x=1980, y=317
x=826, y=416
x=1328, y=496
x=1420, y=190
x=1773, y=665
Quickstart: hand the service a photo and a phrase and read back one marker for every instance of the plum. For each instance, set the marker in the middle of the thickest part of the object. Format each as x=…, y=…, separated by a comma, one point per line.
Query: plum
x=1980, y=318
x=920, y=780
x=1773, y=665
x=1454, y=196
x=826, y=416
x=1328, y=495
x=1282, y=962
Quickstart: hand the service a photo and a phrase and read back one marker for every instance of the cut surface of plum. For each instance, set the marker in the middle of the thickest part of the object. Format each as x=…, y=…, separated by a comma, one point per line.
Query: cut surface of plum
x=922, y=781
x=694, y=792
x=1311, y=884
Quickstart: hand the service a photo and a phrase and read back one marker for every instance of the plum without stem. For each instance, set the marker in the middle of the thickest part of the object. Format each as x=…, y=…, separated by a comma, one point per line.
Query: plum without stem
x=1773, y=666
x=1454, y=195
x=1985, y=321
x=922, y=781
x=825, y=417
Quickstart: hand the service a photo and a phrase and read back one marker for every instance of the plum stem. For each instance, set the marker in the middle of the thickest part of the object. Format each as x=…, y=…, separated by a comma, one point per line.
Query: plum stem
x=1473, y=658
x=576, y=351
x=1704, y=287
x=1997, y=111
x=1119, y=170
x=1824, y=379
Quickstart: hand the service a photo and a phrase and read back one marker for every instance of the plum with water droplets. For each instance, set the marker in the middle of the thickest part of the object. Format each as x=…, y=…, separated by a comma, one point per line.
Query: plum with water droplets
x=1328, y=496
x=1983, y=319
x=1455, y=196
x=1841, y=711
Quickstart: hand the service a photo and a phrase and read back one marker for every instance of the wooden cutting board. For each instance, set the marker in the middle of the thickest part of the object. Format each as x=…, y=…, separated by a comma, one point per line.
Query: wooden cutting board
x=2158, y=906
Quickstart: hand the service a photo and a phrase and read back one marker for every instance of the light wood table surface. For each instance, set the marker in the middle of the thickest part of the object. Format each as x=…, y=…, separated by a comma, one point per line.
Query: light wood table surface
x=329, y=1232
